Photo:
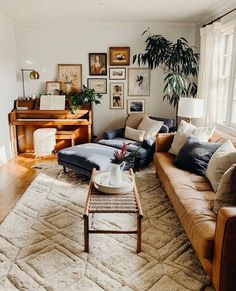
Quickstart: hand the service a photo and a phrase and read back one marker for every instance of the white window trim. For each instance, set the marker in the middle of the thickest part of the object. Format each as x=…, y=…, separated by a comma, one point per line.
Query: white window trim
x=227, y=128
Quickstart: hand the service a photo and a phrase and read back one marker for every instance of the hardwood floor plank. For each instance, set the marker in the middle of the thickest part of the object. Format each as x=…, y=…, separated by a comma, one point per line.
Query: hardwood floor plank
x=15, y=177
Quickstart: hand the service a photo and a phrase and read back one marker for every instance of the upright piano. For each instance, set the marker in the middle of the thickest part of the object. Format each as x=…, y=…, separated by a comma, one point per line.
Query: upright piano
x=23, y=123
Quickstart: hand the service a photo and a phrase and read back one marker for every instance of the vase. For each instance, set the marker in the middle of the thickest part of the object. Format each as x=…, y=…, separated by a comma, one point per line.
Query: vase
x=116, y=174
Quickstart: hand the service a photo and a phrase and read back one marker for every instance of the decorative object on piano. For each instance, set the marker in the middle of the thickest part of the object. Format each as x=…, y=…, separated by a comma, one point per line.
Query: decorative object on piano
x=52, y=102
x=23, y=104
x=138, y=82
x=53, y=87
x=34, y=75
x=99, y=85
x=116, y=95
x=119, y=56
x=117, y=73
x=70, y=77
x=83, y=97
x=135, y=106
x=98, y=64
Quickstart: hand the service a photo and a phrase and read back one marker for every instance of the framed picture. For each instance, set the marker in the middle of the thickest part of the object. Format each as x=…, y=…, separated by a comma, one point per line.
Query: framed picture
x=117, y=95
x=98, y=64
x=70, y=77
x=136, y=106
x=119, y=56
x=99, y=85
x=117, y=73
x=53, y=87
x=138, y=82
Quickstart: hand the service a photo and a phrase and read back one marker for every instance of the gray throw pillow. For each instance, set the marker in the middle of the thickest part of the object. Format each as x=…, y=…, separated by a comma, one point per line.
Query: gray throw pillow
x=220, y=162
x=226, y=193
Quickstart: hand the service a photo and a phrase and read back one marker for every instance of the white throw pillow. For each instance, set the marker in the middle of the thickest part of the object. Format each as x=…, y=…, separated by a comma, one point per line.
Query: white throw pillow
x=220, y=162
x=179, y=140
x=150, y=126
x=187, y=129
x=134, y=134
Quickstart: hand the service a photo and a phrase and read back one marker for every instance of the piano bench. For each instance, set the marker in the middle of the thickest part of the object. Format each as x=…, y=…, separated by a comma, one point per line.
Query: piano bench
x=67, y=134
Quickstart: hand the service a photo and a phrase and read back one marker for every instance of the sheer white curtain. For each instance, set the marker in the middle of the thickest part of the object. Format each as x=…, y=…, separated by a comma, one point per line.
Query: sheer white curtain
x=208, y=79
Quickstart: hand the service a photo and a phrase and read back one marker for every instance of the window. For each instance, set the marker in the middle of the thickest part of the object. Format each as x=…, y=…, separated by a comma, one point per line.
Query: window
x=226, y=102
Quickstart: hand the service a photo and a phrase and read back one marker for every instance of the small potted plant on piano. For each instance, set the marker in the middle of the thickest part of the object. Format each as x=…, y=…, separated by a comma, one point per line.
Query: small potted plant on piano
x=84, y=97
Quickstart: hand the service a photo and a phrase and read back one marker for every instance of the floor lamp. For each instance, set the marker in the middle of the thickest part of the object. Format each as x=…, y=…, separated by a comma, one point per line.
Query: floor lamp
x=34, y=75
x=191, y=108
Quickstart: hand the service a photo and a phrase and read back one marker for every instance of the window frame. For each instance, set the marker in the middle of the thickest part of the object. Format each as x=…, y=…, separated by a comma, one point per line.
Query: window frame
x=228, y=126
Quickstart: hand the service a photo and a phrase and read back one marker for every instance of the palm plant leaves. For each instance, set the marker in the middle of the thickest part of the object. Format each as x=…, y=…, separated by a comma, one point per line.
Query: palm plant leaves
x=177, y=59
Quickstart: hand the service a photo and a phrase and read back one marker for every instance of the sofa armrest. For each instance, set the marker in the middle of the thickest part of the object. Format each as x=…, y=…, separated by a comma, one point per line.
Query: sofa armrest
x=224, y=259
x=164, y=141
x=119, y=132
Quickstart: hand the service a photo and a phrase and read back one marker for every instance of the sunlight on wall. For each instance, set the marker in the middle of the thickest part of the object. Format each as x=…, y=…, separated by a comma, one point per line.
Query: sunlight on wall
x=3, y=156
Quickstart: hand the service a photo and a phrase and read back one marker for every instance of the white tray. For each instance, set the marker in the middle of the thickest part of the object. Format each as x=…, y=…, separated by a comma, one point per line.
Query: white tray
x=126, y=186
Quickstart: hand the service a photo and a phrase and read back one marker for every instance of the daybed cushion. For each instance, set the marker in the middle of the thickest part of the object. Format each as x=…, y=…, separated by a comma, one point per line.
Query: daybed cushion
x=88, y=156
x=193, y=198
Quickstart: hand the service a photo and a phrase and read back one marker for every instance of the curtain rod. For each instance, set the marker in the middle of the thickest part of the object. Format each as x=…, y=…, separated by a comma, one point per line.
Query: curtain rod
x=218, y=18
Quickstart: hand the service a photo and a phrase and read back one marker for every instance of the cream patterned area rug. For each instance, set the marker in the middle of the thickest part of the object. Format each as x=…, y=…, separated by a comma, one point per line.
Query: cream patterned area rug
x=41, y=242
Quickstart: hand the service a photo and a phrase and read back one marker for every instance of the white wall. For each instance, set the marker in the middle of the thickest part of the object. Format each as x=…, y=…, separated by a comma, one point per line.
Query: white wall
x=7, y=83
x=43, y=47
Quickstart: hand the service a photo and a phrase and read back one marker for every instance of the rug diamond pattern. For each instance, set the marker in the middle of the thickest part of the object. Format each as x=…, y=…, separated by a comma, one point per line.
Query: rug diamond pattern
x=41, y=242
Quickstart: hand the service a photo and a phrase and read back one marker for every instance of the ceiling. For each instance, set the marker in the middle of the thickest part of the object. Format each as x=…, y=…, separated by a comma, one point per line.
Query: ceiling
x=84, y=11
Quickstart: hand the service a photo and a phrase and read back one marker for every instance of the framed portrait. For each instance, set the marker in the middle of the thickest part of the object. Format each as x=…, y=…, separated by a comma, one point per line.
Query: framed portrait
x=53, y=87
x=99, y=85
x=119, y=56
x=98, y=64
x=138, y=82
x=136, y=106
x=117, y=95
x=70, y=77
x=117, y=73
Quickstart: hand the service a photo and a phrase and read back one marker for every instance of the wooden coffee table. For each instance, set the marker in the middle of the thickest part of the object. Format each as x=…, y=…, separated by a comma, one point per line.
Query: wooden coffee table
x=98, y=202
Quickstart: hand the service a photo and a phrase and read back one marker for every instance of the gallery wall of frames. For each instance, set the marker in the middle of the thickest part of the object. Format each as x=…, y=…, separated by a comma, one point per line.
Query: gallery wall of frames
x=108, y=74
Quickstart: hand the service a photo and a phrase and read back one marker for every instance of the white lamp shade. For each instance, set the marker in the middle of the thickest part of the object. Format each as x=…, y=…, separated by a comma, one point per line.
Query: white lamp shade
x=191, y=107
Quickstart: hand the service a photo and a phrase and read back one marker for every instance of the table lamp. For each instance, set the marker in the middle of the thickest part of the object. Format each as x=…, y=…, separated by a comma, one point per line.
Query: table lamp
x=34, y=75
x=191, y=108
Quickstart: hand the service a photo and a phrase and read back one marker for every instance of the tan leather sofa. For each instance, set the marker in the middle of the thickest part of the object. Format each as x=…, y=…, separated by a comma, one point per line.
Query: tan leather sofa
x=212, y=236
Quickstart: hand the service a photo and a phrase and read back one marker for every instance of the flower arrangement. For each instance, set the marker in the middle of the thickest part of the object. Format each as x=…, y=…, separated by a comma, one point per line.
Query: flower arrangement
x=123, y=156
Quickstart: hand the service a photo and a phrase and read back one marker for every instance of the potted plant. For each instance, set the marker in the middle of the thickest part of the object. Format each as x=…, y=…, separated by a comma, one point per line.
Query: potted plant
x=179, y=62
x=84, y=97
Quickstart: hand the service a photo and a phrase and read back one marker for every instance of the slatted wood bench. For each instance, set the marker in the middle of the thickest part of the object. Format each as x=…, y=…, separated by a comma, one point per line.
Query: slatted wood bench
x=98, y=202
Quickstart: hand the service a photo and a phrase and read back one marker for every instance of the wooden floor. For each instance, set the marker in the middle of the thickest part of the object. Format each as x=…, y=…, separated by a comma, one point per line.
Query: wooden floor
x=15, y=177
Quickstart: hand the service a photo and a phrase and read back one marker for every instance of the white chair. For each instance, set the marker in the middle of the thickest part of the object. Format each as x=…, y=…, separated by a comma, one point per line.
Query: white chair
x=44, y=141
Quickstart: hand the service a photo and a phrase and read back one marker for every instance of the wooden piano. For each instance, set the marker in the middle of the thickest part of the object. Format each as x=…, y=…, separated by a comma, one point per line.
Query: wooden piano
x=23, y=123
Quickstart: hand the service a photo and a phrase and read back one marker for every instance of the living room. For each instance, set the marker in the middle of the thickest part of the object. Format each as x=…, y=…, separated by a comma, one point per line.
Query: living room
x=117, y=148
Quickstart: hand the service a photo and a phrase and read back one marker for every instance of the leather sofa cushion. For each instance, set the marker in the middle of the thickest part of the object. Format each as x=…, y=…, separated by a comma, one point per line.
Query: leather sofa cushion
x=192, y=197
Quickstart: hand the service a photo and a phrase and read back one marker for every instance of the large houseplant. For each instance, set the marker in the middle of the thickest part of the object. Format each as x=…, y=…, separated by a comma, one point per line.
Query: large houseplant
x=179, y=62
x=84, y=97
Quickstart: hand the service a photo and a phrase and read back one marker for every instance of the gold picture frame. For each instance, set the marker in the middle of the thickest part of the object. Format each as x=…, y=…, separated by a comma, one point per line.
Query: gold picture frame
x=70, y=76
x=119, y=56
